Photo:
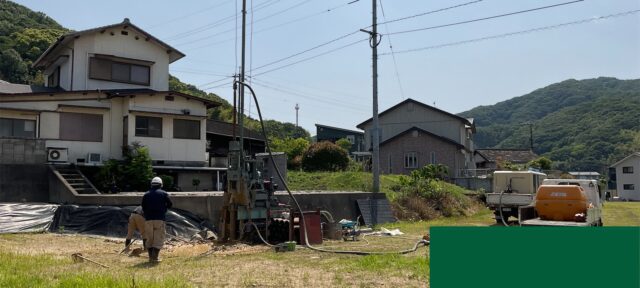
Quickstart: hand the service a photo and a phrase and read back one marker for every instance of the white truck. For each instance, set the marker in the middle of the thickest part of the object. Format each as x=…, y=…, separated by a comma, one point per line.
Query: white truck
x=511, y=190
x=527, y=215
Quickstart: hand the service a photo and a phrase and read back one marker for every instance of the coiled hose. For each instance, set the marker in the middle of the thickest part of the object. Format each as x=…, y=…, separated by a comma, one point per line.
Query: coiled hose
x=421, y=242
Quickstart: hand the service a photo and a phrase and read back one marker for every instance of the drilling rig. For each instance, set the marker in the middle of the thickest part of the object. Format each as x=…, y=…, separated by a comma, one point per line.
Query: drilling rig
x=249, y=200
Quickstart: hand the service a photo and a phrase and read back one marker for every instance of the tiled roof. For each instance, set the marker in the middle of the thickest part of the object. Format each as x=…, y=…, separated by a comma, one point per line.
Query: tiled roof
x=226, y=129
x=511, y=155
x=11, y=88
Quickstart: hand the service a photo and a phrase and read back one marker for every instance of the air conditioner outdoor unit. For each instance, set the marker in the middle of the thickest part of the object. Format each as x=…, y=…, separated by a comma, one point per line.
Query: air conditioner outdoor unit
x=57, y=155
x=94, y=158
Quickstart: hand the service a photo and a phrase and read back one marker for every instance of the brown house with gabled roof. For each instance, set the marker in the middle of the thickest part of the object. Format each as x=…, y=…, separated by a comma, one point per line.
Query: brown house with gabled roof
x=414, y=134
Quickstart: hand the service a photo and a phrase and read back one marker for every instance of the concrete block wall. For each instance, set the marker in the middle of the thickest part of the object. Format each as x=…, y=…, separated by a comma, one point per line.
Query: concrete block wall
x=22, y=151
x=24, y=183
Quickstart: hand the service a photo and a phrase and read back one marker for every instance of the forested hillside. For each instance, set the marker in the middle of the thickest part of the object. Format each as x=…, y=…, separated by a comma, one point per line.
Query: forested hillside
x=25, y=35
x=581, y=125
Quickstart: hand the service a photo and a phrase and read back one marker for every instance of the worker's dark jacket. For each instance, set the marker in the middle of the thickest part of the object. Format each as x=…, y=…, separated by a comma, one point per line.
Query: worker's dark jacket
x=155, y=204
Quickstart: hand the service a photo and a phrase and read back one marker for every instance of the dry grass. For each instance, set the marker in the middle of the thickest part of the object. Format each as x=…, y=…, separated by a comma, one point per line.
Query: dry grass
x=43, y=260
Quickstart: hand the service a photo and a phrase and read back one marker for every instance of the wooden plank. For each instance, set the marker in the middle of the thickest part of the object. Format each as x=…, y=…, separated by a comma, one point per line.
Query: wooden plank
x=382, y=209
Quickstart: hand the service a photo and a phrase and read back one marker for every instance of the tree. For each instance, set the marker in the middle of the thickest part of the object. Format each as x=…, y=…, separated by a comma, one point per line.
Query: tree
x=542, y=163
x=325, y=156
x=137, y=167
x=344, y=143
x=12, y=68
x=292, y=147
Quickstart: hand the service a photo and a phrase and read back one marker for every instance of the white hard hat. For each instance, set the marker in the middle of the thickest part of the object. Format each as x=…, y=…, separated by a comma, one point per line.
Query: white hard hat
x=157, y=181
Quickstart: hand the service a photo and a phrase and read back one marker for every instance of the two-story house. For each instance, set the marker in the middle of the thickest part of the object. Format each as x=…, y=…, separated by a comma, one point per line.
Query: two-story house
x=105, y=88
x=627, y=177
x=414, y=134
x=333, y=134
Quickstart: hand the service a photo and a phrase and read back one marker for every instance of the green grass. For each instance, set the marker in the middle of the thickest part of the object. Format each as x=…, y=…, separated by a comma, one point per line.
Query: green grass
x=621, y=214
x=351, y=181
x=43, y=270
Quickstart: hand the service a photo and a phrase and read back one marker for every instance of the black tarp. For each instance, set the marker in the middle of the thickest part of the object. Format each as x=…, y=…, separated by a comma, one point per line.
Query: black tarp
x=26, y=217
x=95, y=220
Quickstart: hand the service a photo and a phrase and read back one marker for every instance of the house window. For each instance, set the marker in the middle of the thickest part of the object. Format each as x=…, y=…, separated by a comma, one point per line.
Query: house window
x=186, y=129
x=629, y=187
x=411, y=160
x=81, y=127
x=148, y=126
x=17, y=128
x=116, y=71
x=54, y=78
x=433, y=157
x=627, y=170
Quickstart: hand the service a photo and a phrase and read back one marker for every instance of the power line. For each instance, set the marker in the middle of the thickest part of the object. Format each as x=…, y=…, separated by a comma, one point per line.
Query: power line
x=341, y=99
x=428, y=12
x=333, y=104
x=189, y=15
x=218, y=22
x=252, y=13
x=484, y=18
x=215, y=81
x=349, y=34
x=393, y=55
x=276, y=26
x=516, y=32
x=308, y=50
x=312, y=57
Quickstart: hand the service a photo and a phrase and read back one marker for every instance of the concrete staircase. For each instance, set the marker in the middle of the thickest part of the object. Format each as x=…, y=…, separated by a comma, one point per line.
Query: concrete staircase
x=76, y=180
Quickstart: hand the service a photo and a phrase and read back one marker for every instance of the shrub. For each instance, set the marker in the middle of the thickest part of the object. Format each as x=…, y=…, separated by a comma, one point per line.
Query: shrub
x=344, y=143
x=167, y=182
x=293, y=147
x=132, y=174
x=325, y=156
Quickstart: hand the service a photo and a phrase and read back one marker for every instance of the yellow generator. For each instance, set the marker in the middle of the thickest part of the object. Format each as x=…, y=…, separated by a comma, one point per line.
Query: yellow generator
x=561, y=203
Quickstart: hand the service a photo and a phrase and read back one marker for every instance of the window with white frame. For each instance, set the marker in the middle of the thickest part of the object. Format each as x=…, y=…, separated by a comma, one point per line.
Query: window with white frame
x=17, y=128
x=411, y=160
x=627, y=170
x=629, y=187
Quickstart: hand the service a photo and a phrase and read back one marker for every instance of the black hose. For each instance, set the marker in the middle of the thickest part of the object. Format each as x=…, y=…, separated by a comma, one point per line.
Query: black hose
x=284, y=183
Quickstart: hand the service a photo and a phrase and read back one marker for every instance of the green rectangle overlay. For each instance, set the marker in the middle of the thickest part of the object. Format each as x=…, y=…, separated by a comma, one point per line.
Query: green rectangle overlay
x=545, y=257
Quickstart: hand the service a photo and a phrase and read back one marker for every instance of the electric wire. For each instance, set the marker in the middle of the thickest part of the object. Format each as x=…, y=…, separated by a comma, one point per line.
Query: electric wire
x=331, y=9
x=235, y=29
x=189, y=15
x=393, y=55
x=504, y=35
x=425, y=13
x=302, y=220
x=309, y=58
x=217, y=22
x=484, y=18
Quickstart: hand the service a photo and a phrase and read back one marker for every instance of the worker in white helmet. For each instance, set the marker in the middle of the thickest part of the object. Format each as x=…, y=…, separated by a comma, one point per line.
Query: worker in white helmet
x=155, y=204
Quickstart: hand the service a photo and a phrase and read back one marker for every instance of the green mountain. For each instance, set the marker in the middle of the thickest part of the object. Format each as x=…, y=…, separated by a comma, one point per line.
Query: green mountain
x=25, y=35
x=579, y=124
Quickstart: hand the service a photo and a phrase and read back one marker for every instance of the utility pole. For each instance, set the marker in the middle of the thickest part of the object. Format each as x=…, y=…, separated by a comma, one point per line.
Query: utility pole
x=297, y=108
x=375, y=131
x=241, y=88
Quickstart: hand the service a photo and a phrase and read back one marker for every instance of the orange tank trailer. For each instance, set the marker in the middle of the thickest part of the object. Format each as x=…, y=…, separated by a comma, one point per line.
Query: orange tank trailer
x=561, y=202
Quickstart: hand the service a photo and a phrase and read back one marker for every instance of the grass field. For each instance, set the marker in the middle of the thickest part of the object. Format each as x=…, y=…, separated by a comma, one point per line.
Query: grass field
x=43, y=260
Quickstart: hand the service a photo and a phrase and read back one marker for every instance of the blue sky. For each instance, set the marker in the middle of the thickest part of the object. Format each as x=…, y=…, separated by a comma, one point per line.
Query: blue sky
x=335, y=89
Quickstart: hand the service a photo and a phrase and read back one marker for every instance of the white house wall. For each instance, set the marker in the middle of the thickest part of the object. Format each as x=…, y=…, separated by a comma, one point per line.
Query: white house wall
x=118, y=45
x=633, y=178
x=167, y=148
